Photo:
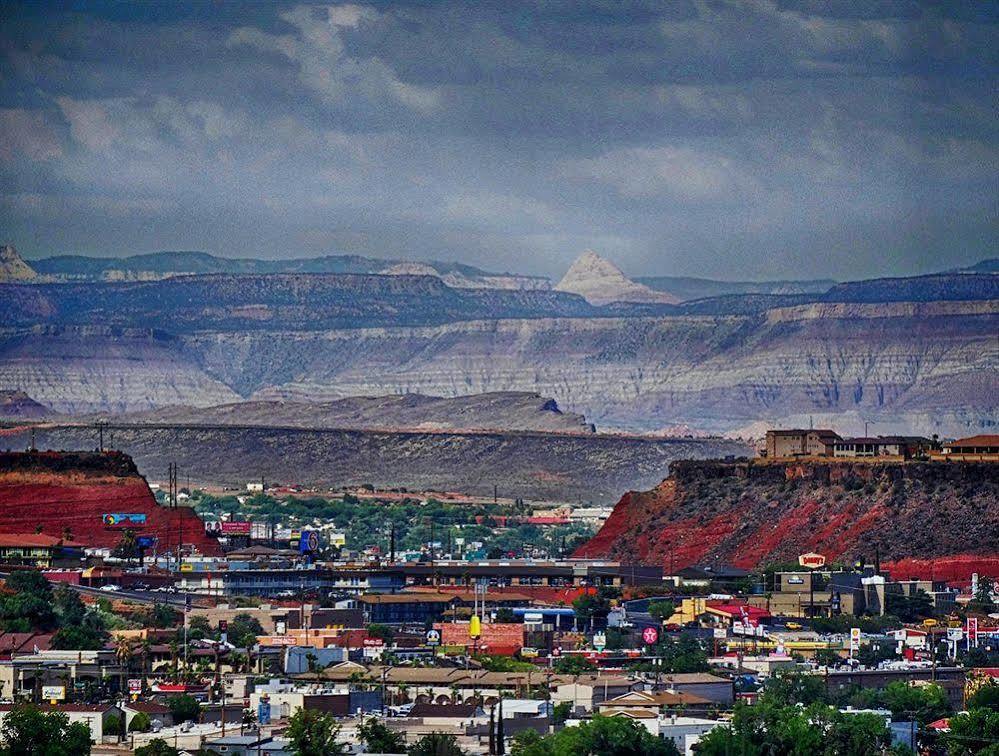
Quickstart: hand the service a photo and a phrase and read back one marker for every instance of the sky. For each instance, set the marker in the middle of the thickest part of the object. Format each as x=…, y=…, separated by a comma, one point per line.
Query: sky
x=734, y=140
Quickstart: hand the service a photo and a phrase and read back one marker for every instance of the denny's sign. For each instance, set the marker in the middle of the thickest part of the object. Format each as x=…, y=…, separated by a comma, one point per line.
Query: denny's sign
x=812, y=561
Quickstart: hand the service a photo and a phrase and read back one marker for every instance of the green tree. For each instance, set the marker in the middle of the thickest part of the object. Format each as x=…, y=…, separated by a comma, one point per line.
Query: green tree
x=505, y=615
x=30, y=581
x=590, y=606
x=562, y=711
x=157, y=747
x=912, y=608
x=198, y=628
x=773, y=727
x=986, y=697
x=184, y=708
x=661, y=610
x=973, y=732
x=828, y=658
x=788, y=687
x=163, y=616
x=600, y=736
x=380, y=739
x=683, y=654
x=243, y=630
x=983, y=596
x=384, y=632
x=80, y=637
x=30, y=605
x=314, y=733
x=69, y=608
x=504, y=664
x=436, y=744
x=127, y=547
x=924, y=703
x=573, y=664
x=141, y=722
x=27, y=731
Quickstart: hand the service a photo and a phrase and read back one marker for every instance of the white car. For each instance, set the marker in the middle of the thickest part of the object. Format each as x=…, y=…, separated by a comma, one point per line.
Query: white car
x=110, y=588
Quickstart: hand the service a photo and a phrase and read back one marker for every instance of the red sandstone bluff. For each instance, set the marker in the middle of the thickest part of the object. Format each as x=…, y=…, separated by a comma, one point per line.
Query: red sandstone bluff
x=924, y=519
x=64, y=493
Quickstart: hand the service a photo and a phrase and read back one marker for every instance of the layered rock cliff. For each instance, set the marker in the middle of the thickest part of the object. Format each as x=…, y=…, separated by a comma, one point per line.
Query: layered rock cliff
x=68, y=494
x=753, y=513
x=914, y=355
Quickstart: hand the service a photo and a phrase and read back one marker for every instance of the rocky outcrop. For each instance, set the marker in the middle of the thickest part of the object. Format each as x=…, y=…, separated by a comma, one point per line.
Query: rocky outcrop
x=17, y=404
x=504, y=410
x=600, y=282
x=12, y=267
x=753, y=513
x=463, y=277
x=555, y=467
x=68, y=494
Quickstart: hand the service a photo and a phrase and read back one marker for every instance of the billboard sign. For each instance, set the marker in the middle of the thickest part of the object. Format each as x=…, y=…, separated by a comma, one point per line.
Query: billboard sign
x=135, y=685
x=123, y=519
x=433, y=637
x=650, y=635
x=599, y=641
x=308, y=542
x=812, y=560
x=236, y=528
x=54, y=692
x=854, y=639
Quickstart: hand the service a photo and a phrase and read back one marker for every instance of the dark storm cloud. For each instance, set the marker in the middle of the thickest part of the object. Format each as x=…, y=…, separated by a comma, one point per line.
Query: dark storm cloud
x=733, y=139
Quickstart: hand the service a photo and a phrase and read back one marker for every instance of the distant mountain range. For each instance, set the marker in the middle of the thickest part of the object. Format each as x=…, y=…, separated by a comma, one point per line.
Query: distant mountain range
x=157, y=265
x=594, y=278
x=916, y=354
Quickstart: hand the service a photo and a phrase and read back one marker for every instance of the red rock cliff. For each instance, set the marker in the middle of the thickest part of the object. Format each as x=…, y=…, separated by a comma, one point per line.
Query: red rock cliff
x=71, y=491
x=929, y=519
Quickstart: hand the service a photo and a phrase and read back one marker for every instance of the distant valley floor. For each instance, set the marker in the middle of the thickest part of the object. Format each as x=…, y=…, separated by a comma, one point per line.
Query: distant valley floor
x=589, y=468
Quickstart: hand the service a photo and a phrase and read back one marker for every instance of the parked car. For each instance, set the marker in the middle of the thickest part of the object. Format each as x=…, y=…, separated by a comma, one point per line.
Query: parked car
x=110, y=587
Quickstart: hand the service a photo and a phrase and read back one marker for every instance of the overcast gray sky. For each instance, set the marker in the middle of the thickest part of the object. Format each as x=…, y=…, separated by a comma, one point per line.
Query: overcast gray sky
x=735, y=140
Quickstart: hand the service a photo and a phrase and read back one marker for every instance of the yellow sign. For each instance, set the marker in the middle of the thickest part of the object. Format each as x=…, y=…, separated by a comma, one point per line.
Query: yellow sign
x=187, y=568
x=475, y=627
x=930, y=623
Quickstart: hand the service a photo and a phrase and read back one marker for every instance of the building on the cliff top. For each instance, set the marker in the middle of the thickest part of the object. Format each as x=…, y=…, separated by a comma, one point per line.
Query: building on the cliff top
x=797, y=442
x=975, y=448
x=906, y=447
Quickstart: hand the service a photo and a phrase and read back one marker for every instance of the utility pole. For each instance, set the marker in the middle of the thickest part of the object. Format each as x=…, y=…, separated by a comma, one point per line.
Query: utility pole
x=392, y=545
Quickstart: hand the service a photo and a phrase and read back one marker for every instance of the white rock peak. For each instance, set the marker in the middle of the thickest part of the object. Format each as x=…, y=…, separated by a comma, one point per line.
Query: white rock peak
x=599, y=282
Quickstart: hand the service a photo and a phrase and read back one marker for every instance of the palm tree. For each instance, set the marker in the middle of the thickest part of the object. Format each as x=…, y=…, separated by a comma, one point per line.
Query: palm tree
x=145, y=649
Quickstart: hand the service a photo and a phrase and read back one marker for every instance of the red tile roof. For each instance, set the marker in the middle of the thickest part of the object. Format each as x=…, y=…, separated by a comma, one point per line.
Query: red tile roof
x=38, y=540
x=980, y=440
